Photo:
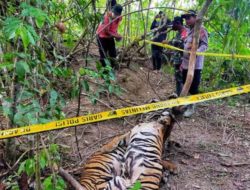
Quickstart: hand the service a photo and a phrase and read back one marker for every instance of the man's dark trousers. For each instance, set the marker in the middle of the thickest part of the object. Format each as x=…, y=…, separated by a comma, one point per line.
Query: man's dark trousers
x=107, y=50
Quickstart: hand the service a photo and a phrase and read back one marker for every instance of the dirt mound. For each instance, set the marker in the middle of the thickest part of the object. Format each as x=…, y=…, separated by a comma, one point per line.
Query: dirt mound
x=130, y=81
x=141, y=84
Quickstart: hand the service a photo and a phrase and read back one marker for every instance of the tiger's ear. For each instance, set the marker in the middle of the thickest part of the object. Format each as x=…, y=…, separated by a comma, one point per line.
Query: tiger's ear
x=172, y=96
x=114, y=143
x=165, y=120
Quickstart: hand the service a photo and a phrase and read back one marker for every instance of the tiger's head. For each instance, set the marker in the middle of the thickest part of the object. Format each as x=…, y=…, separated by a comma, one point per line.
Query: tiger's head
x=167, y=120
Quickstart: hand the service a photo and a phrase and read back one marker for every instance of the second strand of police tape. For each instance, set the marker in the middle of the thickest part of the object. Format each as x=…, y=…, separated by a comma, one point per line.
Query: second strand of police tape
x=210, y=54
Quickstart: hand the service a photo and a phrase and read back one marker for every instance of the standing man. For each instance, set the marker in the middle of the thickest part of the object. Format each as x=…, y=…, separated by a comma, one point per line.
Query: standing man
x=176, y=58
x=106, y=33
x=159, y=36
x=190, y=19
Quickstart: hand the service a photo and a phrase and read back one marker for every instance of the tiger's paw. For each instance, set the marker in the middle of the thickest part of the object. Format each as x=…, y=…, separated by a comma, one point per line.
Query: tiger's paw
x=170, y=166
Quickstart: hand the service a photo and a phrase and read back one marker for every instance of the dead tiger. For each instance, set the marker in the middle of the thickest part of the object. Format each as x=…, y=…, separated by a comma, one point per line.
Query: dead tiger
x=135, y=156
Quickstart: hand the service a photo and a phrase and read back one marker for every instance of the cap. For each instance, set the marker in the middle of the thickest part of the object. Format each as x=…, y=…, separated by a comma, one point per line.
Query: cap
x=177, y=20
x=189, y=13
x=117, y=9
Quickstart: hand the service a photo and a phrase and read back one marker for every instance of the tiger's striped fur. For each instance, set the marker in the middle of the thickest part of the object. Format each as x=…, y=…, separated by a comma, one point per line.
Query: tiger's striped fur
x=135, y=156
x=102, y=170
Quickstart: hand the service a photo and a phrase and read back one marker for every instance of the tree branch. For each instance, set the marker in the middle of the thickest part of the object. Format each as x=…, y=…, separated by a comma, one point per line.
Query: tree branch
x=70, y=179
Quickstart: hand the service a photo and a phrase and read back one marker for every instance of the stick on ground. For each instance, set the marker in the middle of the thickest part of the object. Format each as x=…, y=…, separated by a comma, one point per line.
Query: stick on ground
x=70, y=179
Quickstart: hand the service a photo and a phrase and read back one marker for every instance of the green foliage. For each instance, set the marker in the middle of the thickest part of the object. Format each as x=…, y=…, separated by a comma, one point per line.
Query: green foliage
x=36, y=78
x=15, y=28
x=38, y=14
x=228, y=26
x=11, y=25
x=104, y=73
x=29, y=167
x=21, y=69
x=137, y=186
x=59, y=184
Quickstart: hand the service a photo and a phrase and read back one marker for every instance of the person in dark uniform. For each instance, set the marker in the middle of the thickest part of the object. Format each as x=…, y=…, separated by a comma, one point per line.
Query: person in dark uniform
x=176, y=57
x=159, y=36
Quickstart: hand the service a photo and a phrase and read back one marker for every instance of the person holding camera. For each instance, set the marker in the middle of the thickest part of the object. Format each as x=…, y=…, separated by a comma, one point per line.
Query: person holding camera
x=190, y=19
x=107, y=34
x=159, y=35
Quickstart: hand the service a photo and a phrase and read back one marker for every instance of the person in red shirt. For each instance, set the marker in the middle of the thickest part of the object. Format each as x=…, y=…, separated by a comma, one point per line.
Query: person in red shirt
x=106, y=33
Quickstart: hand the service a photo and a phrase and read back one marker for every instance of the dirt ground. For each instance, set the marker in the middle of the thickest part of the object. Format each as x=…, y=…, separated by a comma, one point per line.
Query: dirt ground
x=213, y=151
x=212, y=148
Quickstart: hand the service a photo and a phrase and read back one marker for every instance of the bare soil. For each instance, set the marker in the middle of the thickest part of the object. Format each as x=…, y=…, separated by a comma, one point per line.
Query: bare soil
x=213, y=151
x=214, y=145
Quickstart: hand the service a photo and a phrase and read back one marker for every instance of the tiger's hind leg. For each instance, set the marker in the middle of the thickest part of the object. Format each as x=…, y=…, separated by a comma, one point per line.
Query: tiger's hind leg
x=120, y=140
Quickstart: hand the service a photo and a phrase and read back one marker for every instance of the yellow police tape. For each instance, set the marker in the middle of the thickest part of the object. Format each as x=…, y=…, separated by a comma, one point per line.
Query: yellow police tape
x=233, y=56
x=122, y=112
